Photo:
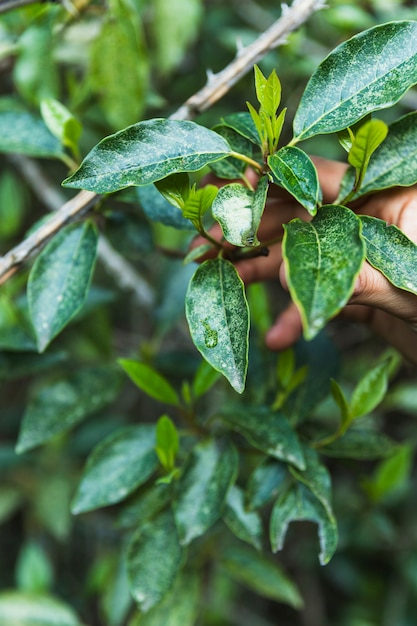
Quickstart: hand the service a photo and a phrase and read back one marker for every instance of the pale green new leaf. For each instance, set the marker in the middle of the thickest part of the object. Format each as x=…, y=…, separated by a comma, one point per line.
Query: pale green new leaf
x=367, y=139
x=265, y=482
x=391, y=474
x=154, y=558
x=268, y=92
x=150, y=381
x=204, y=379
x=218, y=317
x=61, y=123
x=323, y=258
x=299, y=504
x=167, y=442
x=370, y=390
x=146, y=152
x=60, y=405
x=391, y=252
x=268, y=431
x=370, y=71
x=293, y=170
x=341, y=401
x=59, y=280
x=175, y=188
x=261, y=574
x=116, y=467
x=239, y=211
x=198, y=202
x=27, y=609
x=206, y=478
x=257, y=122
x=246, y=525
x=23, y=133
x=393, y=164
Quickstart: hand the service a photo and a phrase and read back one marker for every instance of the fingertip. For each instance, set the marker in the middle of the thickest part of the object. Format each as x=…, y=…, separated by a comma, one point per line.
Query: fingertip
x=286, y=330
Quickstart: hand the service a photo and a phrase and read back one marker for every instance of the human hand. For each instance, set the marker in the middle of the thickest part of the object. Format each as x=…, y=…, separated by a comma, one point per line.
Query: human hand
x=389, y=311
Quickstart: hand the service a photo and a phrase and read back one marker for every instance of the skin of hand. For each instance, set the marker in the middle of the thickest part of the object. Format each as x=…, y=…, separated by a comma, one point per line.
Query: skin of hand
x=389, y=311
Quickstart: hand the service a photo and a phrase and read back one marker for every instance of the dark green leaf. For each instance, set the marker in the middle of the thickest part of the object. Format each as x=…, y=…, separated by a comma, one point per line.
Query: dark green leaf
x=293, y=170
x=154, y=558
x=60, y=405
x=231, y=167
x=150, y=381
x=116, y=467
x=391, y=252
x=299, y=504
x=59, y=280
x=261, y=574
x=243, y=124
x=323, y=258
x=218, y=317
x=202, y=488
x=360, y=443
x=23, y=133
x=246, y=525
x=239, y=211
x=265, y=482
x=26, y=609
x=267, y=430
x=369, y=72
x=317, y=478
x=142, y=506
x=158, y=209
x=146, y=152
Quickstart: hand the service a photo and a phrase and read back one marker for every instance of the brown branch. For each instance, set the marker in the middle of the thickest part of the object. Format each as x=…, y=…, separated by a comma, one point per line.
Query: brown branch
x=216, y=87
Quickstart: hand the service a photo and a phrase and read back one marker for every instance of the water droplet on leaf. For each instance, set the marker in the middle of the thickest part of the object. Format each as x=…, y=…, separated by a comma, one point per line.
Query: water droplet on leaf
x=211, y=337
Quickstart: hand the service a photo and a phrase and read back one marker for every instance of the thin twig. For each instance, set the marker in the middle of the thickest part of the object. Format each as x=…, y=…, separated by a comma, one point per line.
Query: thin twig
x=216, y=87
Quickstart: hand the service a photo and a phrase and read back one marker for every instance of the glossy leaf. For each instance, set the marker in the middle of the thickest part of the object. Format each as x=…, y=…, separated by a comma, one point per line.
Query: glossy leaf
x=198, y=202
x=243, y=124
x=370, y=390
x=246, y=525
x=158, y=209
x=23, y=133
x=360, y=443
x=231, y=167
x=299, y=504
x=317, y=478
x=370, y=71
x=323, y=258
x=180, y=606
x=150, y=575
x=57, y=407
x=146, y=152
x=62, y=124
x=206, y=478
x=268, y=431
x=239, y=211
x=150, y=381
x=261, y=574
x=60, y=279
x=175, y=189
x=265, y=482
x=293, y=170
x=27, y=609
x=391, y=252
x=143, y=505
x=367, y=139
x=218, y=317
x=116, y=467
x=392, y=164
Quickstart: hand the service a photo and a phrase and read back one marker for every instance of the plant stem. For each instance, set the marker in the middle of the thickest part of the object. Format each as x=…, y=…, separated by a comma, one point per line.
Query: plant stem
x=248, y=160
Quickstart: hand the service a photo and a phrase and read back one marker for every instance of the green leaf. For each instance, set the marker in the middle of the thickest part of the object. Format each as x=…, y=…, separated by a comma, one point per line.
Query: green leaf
x=167, y=443
x=265, y=482
x=268, y=91
x=218, y=317
x=391, y=474
x=367, y=139
x=196, y=253
x=360, y=443
x=119, y=65
x=175, y=189
x=370, y=390
x=258, y=124
x=239, y=211
x=293, y=170
x=158, y=209
x=341, y=401
x=60, y=279
x=231, y=167
x=299, y=504
x=317, y=479
x=143, y=505
x=180, y=606
x=60, y=405
x=33, y=569
x=391, y=252
x=393, y=164
x=198, y=202
x=204, y=379
x=23, y=133
x=260, y=574
x=323, y=258
x=150, y=381
x=116, y=467
x=27, y=609
x=243, y=124
x=268, y=431
x=153, y=560
x=146, y=152
x=62, y=124
x=370, y=71
x=206, y=478
x=246, y=525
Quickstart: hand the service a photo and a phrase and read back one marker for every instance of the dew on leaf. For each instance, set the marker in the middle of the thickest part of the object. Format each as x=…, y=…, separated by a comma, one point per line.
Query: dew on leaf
x=211, y=337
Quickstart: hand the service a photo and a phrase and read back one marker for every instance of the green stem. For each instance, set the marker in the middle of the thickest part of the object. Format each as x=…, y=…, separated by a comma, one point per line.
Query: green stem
x=248, y=160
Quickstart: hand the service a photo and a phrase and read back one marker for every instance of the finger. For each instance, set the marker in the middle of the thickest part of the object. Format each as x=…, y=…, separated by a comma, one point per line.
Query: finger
x=286, y=330
x=262, y=267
